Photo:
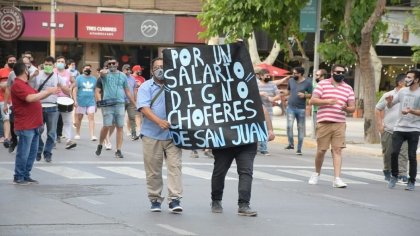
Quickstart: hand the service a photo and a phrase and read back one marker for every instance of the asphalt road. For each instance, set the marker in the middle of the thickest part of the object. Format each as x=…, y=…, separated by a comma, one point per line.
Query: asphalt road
x=81, y=194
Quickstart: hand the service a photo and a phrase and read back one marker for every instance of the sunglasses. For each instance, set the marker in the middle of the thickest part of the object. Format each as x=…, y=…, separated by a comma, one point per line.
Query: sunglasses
x=339, y=72
x=112, y=63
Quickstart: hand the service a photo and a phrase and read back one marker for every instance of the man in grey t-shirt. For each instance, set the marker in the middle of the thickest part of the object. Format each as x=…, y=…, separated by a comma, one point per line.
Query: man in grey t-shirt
x=385, y=120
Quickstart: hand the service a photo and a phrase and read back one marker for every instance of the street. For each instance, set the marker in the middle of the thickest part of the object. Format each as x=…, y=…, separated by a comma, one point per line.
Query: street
x=81, y=194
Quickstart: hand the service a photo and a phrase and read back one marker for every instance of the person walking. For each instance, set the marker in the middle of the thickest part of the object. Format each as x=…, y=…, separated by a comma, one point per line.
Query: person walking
x=114, y=85
x=157, y=143
x=4, y=75
x=131, y=108
x=386, y=118
x=299, y=89
x=45, y=79
x=28, y=120
x=244, y=156
x=407, y=127
x=269, y=93
x=335, y=98
x=319, y=76
x=84, y=100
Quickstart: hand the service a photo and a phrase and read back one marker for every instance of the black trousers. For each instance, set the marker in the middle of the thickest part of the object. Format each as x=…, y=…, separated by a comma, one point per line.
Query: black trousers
x=244, y=157
x=398, y=138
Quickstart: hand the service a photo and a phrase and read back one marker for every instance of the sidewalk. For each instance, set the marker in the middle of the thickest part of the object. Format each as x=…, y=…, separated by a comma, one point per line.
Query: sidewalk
x=354, y=135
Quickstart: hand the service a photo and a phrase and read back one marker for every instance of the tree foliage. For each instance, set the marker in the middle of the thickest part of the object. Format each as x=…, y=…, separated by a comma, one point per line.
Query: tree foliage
x=237, y=19
x=415, y=28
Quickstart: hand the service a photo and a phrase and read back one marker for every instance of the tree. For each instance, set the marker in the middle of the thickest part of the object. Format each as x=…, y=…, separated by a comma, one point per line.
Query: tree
x=235, y=19
x=350, y=41
x=415, y=28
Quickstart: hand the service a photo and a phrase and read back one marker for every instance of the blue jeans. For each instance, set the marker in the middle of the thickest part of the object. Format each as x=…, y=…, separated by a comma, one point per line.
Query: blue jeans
x=244, y=156
x=50, y=116
x=26, y=152
x=114, y=115
x=299, y=115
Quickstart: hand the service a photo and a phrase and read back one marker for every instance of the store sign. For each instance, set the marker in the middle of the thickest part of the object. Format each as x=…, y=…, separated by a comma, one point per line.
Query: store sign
x=38, y=25
x=187, y=29
x=12, y=23
x=212, y=98
x=399, y=32
x=149, y=28
x=100, y=26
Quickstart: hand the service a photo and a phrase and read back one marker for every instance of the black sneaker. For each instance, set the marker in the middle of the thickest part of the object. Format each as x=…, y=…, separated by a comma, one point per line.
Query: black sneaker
x=38, y=157
x=216, y=206
x=175, y=207
x=289, y=147
x=134, y=137
x=265, y=153
x=6, y=143
x=20, y=182
x=156, y=206
x=70, y=144
x=31, y=181
x=299, y=153
x=47, y=158
x=118, y=154
x=245, y=210
x=12, y=146
x=98, y=150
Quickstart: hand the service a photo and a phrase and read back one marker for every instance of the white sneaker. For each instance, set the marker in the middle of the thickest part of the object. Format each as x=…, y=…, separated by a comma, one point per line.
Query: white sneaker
x=108, y=146
x=314, y=178
x=338, y=183
x=94, y=138
x=77, y=137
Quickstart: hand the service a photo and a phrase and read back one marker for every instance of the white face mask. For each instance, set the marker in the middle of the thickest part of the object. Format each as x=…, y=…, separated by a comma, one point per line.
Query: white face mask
x=408, y=82
x=158, y=74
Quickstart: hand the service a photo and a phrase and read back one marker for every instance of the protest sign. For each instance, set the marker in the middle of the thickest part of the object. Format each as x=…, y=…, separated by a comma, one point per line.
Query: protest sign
x=212, y=97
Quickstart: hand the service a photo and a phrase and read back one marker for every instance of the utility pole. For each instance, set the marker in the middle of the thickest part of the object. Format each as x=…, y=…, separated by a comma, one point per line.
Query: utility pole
x=52, y=28
x=316, y=54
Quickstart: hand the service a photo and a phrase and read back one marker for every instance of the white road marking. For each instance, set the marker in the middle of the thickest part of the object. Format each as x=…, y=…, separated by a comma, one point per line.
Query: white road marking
x=365, y=175
x=123, y=170
x=200, y=173
x=349, y=201
x=323, y=177
x=6, y=174
x=91, y=201
x=270, y=177
x=176, y=230
x=69, y=173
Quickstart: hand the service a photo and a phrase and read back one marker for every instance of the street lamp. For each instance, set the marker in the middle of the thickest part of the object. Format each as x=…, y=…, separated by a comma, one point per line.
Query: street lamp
x=52, y=25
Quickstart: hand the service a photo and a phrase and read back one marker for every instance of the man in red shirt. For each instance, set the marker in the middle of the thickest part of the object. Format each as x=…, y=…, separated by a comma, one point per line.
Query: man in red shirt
x=27, y=112
x=4, y=74
x=137, y=71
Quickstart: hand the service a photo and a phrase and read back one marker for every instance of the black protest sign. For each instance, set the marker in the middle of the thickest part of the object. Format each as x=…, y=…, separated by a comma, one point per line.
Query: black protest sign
x=212, y=97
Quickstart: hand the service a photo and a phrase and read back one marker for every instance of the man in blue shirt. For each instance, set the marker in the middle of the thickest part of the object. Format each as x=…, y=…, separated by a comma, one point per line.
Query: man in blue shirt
x=157, y=142
x=115, y=88
x=130, y=108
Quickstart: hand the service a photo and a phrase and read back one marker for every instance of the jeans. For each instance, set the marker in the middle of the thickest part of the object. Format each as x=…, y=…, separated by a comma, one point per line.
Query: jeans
x=26, y=152
x=50, y=116
x=412, y=139
x=386, y=143
x=244, y=156
x=299, y=115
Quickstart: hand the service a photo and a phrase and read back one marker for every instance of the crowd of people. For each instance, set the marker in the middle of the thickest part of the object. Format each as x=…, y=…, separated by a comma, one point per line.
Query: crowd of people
x=53, y=97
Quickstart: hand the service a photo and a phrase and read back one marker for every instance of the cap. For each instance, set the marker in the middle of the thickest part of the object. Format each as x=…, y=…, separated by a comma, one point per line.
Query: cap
x=126, y=66
x=137, y=68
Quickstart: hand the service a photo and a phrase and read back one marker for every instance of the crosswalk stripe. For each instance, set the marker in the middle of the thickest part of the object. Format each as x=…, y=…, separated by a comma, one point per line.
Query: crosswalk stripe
x=200, y=173
x=267, y=176
x=69, y=173
x=129, y=171
x=6, y=173
x=365, y=175
x=323, y=177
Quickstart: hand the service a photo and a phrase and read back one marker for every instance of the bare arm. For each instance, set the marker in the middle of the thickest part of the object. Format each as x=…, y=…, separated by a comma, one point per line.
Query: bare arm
x=75, y=96
x=379, y=116
x=98, y=94
x=128, y=94
x=41, y=95
x=271, y=135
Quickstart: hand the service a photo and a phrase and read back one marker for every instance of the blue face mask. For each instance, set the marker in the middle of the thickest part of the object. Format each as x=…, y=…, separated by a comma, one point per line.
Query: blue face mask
x=60, y=65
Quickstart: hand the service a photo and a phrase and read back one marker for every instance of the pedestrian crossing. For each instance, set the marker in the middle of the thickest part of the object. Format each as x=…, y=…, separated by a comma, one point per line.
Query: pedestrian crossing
x=199, y=172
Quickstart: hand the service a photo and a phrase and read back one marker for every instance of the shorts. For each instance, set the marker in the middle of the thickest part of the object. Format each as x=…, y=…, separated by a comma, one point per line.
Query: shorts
x=333, y=134
x=114, y=115
x=4, y=116
x=85, y=110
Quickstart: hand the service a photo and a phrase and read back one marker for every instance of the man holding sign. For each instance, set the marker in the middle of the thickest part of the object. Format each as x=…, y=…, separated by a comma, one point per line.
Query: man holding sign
x=157, y=142
x=212, y=101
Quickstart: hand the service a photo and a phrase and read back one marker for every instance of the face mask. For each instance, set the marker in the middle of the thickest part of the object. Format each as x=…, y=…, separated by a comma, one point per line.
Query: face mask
x=48, y=69
x=72, y=69
x=338, y=78
x=129, y=72
x=267, y=79
x=10, y=65
x=295, y=77
x=317, y=80
x=112, y=68
x=138, y=73
x=408, y=82
x=158, y=74
x=60, y=65
x=87, y=72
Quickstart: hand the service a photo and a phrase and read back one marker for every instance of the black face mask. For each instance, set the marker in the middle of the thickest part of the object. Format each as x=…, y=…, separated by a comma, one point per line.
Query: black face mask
x=10, y=65
x=338, y=78
x=295, y=77
x=317, y=80
x=87, y=72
